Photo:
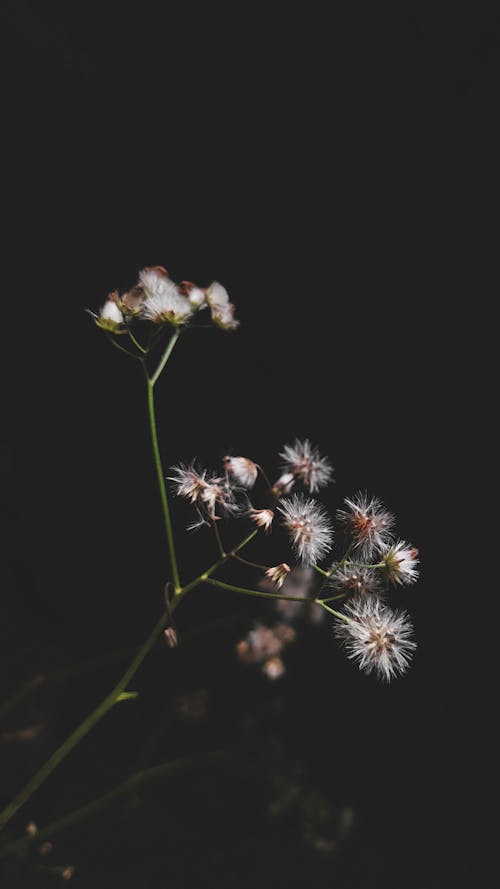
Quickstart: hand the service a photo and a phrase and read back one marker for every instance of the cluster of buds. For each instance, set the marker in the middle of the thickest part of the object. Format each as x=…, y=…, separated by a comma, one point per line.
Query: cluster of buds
x=374, y=562
x=158, y=299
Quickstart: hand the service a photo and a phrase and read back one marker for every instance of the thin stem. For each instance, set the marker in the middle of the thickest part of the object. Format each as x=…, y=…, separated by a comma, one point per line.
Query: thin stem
x=343, y=560
x=257, y=593
x=333, y=598
x=83, y=729
x=202, y=577
x=251, y=564
x=218, y=538
x=110, y=700
x=122, y=349
x=320, y=570
x=338, y=614
x=161, y=485
x=166, y=355
x=136, y=341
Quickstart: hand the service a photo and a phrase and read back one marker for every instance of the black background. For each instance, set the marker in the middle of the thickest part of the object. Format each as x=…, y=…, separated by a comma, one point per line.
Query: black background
x=331, y=172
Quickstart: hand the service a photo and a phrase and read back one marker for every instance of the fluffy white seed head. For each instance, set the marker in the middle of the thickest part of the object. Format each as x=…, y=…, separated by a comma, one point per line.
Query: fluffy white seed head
x=163, y=303
x=377, y=637
x=243, y=470
x=400, y=562
x=304, y=461
x=309, y=527
x=368, y=522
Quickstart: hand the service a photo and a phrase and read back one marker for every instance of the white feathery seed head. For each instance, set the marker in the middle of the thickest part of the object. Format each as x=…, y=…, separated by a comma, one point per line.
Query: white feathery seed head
x=162, y=303
x=304, y=461
x=377, y=637
x=309, y=527
x=368, y=522
x=400, y=562
x=243, y=470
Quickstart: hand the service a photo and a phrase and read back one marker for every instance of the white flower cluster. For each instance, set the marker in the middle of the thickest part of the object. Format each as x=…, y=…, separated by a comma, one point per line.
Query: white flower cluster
x=374, y=561
x=158, y=299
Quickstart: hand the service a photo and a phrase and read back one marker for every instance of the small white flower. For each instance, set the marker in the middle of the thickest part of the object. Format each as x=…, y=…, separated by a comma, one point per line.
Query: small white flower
x=369, y=523
x=221, y=309
x=305, y=463
x=278, y=574
x=400, y=562
x=263, y=518
x=163, y=303
x=309, y=526
x=377, y=637
x=243, y=470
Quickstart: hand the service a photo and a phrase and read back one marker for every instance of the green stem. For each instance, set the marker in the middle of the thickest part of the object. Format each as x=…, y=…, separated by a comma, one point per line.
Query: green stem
x=338, y=614
x=83, y=729
x=203, y=577
x=257, y=593
x=166, y=355
x=320, y=570
x=161, y=484
x=333, y=598
x=20, y=847
x=110, y=700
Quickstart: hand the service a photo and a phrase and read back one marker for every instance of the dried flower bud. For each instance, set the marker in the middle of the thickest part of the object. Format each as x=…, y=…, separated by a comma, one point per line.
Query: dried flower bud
x=284, y=484
x=263, y=518
x=243, y=470
x=31, y=829
x=221, y=309
x=278, y=574
x=171, y=637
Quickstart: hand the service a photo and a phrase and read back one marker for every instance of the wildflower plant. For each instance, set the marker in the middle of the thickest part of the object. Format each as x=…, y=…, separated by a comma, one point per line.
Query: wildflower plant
x=146, y=323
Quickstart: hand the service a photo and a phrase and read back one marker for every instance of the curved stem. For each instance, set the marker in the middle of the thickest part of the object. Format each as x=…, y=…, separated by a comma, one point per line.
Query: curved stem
x=320, y=570
x=166, y=355
x=109, y=701
x=161, y=484
x=84, y=727
x=257, y=593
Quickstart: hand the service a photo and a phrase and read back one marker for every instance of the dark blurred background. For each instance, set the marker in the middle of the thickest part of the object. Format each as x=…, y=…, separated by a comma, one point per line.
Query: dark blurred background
x=328, y=167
